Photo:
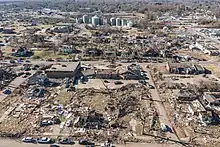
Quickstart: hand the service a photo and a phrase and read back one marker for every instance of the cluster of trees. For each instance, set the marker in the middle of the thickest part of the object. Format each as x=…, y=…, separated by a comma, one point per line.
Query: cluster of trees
x=105, y=6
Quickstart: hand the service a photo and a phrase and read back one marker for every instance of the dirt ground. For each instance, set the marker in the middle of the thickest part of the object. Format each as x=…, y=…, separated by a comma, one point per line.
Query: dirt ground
x=98, y=84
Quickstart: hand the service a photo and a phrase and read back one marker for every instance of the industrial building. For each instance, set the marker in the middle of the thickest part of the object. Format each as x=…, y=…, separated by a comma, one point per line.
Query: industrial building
x=63, y=70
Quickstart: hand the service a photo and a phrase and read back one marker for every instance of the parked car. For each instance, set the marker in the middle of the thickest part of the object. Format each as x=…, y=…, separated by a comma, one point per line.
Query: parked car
x=24, y=76
x=85, y=142
x=106, y=81
x=33, y=68
x=26, y=68
x=107, y=144
x=44, y=140
x=66, y=141
x=56, y=121
x=7, y=91
x=28, y=140
x=151, y=86
x=12, y=61
x=46, y=123
x=50, y=59
x=90, y=145
x=69, y=123
x=142, y=82
x=118, y=82
x=28, y=73
x=165, y=128
x=54, y=145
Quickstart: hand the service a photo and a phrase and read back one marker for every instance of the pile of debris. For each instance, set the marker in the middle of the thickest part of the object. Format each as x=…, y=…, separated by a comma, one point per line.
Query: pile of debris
x=6, y=76
x=120, y=112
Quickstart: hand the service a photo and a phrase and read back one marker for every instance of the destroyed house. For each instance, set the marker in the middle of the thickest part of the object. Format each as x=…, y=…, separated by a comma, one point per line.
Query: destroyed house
x=21, y=52
x=132, y=72
x=63, y=70
x=195, y=107
x=211, y=100
x=7, y=31
x=107, y=74
x=89, y=73
x=63, y=28
x=151, y=53
x=209, y=118
x=40, y=80
x=92, y=121
x=93, y=52
x=185, y=68
x=186, y=96
x=129, y=75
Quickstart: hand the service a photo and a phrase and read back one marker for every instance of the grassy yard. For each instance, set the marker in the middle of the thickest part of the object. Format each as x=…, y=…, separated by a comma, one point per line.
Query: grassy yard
x=63, y=97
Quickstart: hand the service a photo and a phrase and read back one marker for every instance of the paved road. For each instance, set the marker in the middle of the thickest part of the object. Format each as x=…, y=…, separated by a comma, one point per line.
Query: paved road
x=12, y=143
x=160, y=107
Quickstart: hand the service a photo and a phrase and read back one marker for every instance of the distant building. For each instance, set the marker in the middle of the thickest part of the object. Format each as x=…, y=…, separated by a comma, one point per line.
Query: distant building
x=67, y=49
x=63, y=71
x=63, y=28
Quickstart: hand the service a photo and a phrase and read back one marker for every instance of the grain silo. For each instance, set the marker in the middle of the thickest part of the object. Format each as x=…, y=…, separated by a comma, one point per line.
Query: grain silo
x=113, y=21
x=118, y=22
x=85, y=19
x=130, y=24
x=79, y=20
x=95, y=20
x=124, y=22
x=101, y=21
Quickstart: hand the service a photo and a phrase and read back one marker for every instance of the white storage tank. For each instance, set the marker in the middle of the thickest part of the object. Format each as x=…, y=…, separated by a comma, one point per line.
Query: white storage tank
x=124, y=22
x=118, y=22
x=113, y=21
x=79, y=20
x=130, y=24
x=85, y=19
x=95, y=20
